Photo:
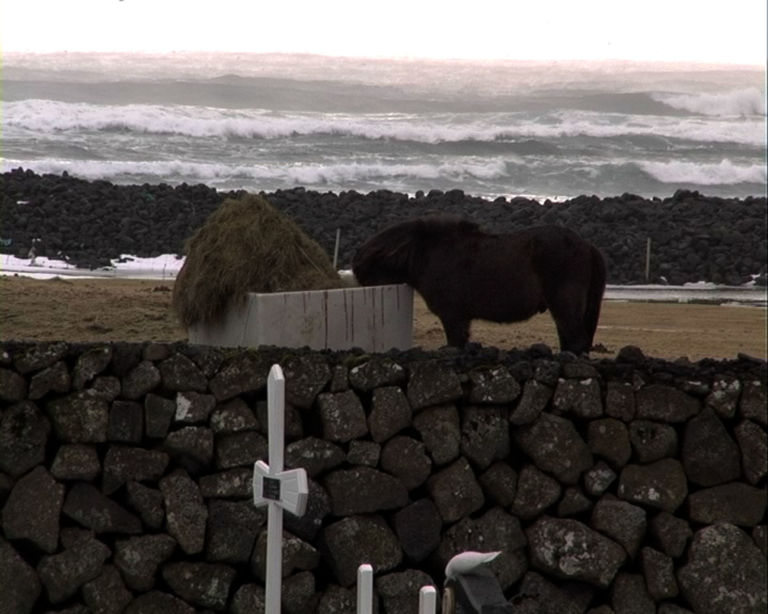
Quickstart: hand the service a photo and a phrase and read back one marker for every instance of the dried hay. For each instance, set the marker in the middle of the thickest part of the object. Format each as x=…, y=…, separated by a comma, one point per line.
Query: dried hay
x=246, y=245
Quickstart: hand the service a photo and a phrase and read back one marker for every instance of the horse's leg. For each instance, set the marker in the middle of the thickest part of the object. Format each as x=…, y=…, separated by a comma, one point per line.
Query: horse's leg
x=572, y=337
x=567, y=306
x=575, y=306
x=456, y=330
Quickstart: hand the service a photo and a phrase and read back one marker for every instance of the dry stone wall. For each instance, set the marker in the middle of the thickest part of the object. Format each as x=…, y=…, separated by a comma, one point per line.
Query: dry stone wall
x=632, y=485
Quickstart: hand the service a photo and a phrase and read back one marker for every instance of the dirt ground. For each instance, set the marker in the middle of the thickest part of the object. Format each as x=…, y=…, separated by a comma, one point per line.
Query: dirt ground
x=132, y=310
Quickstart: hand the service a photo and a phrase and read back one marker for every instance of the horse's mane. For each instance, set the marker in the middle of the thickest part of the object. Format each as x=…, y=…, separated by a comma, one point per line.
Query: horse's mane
x=439, y=225
x=399, y=247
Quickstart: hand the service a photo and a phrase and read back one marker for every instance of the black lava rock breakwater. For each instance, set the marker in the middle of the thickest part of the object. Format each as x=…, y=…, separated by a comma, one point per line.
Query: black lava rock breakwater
x=692, y=237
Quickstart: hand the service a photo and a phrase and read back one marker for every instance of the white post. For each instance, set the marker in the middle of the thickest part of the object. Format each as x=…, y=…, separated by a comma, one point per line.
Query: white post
x=336, y=249
x=275, y=434
x=648, y=259
x=365, y=589
x=276, y=488
x=427, y=600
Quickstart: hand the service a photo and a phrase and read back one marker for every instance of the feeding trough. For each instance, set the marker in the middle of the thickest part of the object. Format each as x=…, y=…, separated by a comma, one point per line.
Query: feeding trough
x=252, y=278
x=374, y=318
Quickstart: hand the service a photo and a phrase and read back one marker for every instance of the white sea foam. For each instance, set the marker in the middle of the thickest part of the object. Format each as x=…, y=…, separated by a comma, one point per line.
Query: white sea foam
x=736, y=103
x=722, y=173
x=49, y=116
x=296, y=174
x=487, y=128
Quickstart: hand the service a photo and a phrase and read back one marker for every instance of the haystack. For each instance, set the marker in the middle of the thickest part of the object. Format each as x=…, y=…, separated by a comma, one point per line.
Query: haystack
x=246, y=245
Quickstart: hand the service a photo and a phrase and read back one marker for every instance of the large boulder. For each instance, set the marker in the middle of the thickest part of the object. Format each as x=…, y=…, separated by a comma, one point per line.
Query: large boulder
x=355, y=540
x=555, y=446
x=64, y=573
x=138, y=558
x=24, y=432
x=570, y=550
x=186, y=514
x=33, y=508
x=710, y=456
x=21, y=586
x=364, y=490
x=203, y=584
x=725, y=572
x=88, y=506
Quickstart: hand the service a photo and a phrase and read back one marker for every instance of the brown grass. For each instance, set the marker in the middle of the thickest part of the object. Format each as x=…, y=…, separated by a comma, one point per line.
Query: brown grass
x=246, y=245
x=130, y=310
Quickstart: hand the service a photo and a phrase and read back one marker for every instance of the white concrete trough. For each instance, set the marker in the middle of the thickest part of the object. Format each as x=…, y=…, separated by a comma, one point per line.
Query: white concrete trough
x=374, y=318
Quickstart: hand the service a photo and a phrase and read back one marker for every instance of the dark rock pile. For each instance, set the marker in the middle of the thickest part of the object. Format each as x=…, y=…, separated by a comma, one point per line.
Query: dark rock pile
x=125, y=478
x=693, y=237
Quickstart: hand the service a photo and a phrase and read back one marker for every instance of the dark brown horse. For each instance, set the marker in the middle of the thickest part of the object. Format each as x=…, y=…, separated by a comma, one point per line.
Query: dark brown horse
x=464, y=273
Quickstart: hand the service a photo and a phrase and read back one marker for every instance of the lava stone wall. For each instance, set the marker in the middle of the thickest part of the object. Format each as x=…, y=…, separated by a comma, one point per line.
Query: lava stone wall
x=632, y=485
x=693, y=237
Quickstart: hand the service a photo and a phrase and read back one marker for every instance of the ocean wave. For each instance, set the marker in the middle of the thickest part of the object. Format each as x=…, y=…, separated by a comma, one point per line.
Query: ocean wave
x=736, y=103
x=51, y=117
x=299, y=174
x=722, y=173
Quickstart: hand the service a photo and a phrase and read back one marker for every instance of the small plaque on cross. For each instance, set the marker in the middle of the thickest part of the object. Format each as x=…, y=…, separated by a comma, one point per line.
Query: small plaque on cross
x=270, y=488
x=289, y=489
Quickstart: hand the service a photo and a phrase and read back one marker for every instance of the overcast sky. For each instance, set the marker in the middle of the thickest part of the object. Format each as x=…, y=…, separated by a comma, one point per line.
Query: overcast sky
x=721, y=31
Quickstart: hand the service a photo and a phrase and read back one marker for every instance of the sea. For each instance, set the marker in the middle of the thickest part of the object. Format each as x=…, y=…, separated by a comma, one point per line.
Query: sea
x=494, y=128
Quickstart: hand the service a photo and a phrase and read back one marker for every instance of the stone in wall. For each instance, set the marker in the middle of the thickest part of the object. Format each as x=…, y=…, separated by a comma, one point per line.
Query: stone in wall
x=621, y=521
x=201, y=584
x=432, y=383
x=342, y=415
x=455, y=491
x=555, y=446
x=185, y=511
x=107, y=592
x=484, y=434
x=124, y=463
x=138, y=559
x=494, y=385
x=89, y=507
x=239, y=374
x=24, y=432
x=660, y=485
x=80, y=418
x=355, y=540
x=536, y=491
x=534, y=400
x=418, y=528
x=440, y=431
x=305, y=378
x=570, y=550
x=63, y=573
x=406, y=459
x=722, y=555
x=364, y=490
x=390, y=412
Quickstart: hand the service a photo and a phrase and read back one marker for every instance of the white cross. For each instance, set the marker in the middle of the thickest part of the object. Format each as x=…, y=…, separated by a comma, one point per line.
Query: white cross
x=276, y=488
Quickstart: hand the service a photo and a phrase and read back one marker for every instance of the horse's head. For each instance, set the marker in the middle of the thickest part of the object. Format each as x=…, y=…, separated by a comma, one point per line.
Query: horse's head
x=399, y=254
x=390, y=256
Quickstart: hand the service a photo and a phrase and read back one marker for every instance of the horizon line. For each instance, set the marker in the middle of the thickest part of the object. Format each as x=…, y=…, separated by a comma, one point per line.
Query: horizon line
x=397, y=58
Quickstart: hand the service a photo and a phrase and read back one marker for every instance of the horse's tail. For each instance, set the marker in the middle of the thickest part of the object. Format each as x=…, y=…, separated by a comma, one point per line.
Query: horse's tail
x=594, y=293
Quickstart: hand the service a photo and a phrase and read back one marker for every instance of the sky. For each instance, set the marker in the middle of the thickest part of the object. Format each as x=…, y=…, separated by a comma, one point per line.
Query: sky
x=705, y=31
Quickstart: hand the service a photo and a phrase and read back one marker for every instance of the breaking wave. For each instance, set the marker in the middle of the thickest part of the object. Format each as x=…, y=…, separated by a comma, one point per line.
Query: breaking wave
x=299, y=174
x=46, y=116
x=723, y=173
x=737, y=103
